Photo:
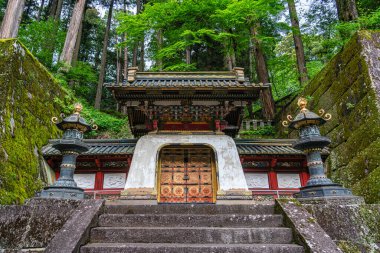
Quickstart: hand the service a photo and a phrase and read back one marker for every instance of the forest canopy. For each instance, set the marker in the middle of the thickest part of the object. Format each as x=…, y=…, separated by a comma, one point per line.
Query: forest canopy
x=282, y=42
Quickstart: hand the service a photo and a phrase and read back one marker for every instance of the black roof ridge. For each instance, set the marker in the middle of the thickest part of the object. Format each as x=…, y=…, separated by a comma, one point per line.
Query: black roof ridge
x=105, y=141
x=237, y=141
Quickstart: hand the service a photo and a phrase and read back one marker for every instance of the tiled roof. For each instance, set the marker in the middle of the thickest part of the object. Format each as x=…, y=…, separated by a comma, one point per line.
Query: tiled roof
x=99, y=147
x=245, y=147
x=184, y=83
x=186, y=80
x=266, y=147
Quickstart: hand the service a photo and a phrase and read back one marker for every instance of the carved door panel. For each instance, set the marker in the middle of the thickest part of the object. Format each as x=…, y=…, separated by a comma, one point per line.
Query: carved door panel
x=186, y=175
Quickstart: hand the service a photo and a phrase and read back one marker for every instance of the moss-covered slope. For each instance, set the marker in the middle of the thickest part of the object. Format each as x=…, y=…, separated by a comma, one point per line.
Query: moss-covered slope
x=27, y=92
x=349, y=88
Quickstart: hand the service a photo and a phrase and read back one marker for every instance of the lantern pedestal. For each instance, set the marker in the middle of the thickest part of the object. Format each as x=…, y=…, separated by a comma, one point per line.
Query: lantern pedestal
x=323, y=191
x=71, y=145
x=318, y=187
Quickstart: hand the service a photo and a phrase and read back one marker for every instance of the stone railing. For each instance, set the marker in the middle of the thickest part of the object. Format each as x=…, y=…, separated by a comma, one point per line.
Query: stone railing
x=254, y=124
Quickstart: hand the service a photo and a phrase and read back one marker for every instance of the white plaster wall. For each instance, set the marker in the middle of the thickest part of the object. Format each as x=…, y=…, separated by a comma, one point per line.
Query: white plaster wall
x=142, y=173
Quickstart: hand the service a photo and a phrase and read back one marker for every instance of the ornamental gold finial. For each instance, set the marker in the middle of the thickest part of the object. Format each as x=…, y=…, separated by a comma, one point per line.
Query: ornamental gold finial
x=302, y=103
x=78, y=108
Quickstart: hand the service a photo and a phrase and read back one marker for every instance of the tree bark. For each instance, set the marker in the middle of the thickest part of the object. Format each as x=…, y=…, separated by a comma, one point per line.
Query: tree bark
x=263, y=76
x=77, y=44
x=99, y=88
x=142, y=56
x=134, y=56
x=298, y=45
x=12, y=18
x=347, y=10
x=228, y=64
x=188, y=55
x=251, y=60
x=57, y=15
x=139, y=6
x=53, y=8
x=125, y=69
x=118, y=65
x=40, y=10
x=159, y=46
x=72, y=33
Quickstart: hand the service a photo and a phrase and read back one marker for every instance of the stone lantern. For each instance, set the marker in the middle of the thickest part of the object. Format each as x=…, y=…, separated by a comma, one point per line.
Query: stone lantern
x=311, y=142
x=70, y=146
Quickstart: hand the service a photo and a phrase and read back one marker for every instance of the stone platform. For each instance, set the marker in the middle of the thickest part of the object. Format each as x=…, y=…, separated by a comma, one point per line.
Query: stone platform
x=191, y=228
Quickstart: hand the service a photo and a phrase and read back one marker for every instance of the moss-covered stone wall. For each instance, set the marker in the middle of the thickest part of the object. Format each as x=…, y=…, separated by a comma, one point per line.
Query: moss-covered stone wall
x=355, y=228
x=27, y=92
x=349, y=88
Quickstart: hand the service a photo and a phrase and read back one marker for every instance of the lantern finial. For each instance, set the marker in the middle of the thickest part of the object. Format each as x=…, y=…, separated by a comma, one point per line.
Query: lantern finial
x=78, y=107
x=302, y=103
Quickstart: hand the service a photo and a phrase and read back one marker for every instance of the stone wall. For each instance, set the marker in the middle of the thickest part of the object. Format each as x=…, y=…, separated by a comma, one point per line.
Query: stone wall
x=48, y=225
x=27, y=92
x=354, y=228
x=349, y=88
x=34, y=224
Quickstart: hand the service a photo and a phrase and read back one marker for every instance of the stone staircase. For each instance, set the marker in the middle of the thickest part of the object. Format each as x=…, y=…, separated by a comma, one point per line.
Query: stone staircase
x=191, y=228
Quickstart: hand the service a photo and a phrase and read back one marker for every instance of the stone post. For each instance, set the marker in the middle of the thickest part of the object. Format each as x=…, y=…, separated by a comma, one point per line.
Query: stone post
x=318, y=187
x=71, y=145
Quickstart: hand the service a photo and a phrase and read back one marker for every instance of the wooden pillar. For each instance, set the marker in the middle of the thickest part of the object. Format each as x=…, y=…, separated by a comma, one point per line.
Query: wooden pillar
x=273, y=185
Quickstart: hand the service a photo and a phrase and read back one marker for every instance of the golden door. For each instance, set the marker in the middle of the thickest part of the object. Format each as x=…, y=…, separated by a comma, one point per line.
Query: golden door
x=187, y=175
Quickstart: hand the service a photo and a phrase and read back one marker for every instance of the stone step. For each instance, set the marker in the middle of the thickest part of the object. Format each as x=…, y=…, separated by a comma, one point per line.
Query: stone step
x=197, y=235
x=190, y=220
x=189, y=248
x=190, y=209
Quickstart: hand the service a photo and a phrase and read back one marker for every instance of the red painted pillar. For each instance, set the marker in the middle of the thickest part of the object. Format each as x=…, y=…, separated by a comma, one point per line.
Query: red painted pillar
x=155, y=124
x=273, y=177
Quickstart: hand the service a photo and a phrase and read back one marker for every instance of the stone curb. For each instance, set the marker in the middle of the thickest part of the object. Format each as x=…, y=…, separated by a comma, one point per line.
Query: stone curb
x=76, y=230
x=306, y=230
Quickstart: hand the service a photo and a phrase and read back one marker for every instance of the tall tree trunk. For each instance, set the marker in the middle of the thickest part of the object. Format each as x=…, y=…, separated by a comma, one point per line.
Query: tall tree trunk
x=40, y=10
x=77, y=44
x=233, y=52
x=188, y=55
x=102, y=71
x=347, y=10
x=134, y=56
x=228, y=62
x=159, y=47
x=300, y=54
x=53, y=8
x=125, y=68
x=262, y=75
x=12, y=18
x=139, y=6
x=251, y=60
x=72, y=33
x=58, y=11
x=230, y=58
x=118, y=65
x=142, y=55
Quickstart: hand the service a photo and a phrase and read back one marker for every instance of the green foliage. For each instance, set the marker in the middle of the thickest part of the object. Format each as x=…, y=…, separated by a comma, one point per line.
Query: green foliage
x=366, y=7
x=3, y=4
x=181, y=67
x=111, y=125
x=43, y=39
x=184, y=25
x=82, y=79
